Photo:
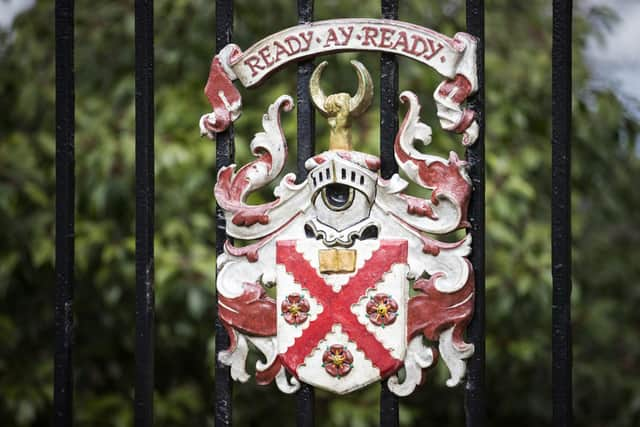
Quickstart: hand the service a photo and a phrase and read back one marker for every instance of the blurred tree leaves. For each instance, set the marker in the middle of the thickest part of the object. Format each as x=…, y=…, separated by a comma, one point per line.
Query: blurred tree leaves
x=605, y=206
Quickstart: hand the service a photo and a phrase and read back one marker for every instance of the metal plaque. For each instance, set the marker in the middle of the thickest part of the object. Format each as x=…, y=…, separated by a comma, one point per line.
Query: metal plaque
x=345, y=247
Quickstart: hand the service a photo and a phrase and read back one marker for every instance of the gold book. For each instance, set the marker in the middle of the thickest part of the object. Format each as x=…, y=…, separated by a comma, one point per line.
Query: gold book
x=337, y=260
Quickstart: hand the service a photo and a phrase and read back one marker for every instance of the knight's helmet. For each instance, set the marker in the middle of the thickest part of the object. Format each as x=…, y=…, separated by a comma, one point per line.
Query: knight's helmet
x=343, y=181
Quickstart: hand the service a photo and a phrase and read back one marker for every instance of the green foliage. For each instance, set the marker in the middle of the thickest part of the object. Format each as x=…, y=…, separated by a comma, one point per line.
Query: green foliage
x=605, y=218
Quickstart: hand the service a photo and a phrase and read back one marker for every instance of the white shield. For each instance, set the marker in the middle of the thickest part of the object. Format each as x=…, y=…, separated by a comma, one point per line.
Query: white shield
x=359, y=315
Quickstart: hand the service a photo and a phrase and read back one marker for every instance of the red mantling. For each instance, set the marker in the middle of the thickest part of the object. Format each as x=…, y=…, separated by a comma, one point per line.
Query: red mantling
x=457, y=89
x=431, y=312
x=252, y=313
x=223, y=96
x=445, y=179
x=251, y=252
x=232, y=189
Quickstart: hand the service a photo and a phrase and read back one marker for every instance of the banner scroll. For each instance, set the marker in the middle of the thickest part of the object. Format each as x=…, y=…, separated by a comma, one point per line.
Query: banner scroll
x=453, y=58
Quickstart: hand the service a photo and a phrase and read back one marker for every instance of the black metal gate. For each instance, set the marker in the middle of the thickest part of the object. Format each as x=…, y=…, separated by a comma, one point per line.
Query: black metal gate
x=475, y=394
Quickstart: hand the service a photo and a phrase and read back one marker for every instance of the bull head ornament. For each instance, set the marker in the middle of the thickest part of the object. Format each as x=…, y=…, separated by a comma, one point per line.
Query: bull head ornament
x=339, y=108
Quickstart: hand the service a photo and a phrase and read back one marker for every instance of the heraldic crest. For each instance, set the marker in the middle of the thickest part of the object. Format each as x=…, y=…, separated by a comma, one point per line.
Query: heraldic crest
x=365, y=290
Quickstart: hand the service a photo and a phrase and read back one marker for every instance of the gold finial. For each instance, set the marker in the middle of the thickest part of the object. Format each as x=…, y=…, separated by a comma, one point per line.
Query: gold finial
x=339, y=108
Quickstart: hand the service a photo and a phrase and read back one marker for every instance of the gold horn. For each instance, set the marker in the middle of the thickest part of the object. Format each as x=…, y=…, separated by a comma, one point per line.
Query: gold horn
x=339, y=108
x=359, y=103
x=317, y=95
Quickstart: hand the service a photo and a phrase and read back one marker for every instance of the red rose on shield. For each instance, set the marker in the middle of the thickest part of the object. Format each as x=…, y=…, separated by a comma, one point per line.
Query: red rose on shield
x=337, y=360
x=295, y=309
x=382, y=310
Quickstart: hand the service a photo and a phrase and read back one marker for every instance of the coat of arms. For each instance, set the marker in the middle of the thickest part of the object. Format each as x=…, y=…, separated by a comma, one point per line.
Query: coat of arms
x=364, y=285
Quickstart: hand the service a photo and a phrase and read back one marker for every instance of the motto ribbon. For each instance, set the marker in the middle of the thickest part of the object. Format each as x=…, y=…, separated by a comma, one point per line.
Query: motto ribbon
x=453, y=58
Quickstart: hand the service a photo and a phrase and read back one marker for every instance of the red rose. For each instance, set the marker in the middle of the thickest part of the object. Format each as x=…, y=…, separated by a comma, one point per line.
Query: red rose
x=382, y=310
x=337, y=360
x=295, y=309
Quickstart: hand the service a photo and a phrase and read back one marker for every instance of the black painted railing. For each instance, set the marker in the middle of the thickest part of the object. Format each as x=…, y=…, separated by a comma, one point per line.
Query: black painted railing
x=475, y=394
x=305, y=416
x=561, y=214
x=224, y=157
x=65, y=209
x=144, y=214
x=389, y=416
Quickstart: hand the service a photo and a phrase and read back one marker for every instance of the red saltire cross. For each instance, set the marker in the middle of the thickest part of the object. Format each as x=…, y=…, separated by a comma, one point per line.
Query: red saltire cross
x=337, y=305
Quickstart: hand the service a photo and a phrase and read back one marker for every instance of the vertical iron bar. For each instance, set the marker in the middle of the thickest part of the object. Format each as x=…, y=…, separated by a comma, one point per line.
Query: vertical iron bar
x=306, y=112
x=475, y=393
x=65, y=218
x=389, y=414
x=561, y=214
x=224, y=157
x=144, y=214
x=388, y=99
x=305, y=398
